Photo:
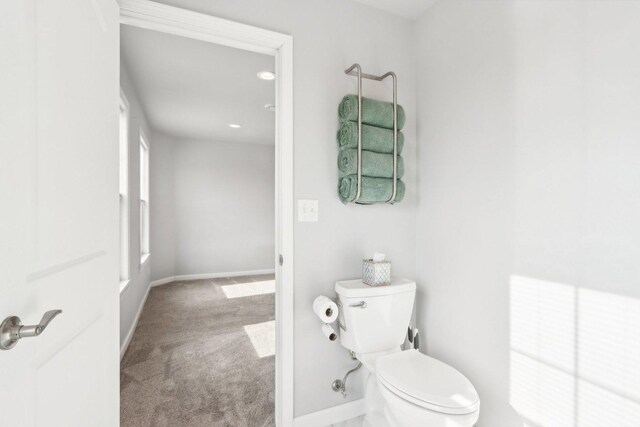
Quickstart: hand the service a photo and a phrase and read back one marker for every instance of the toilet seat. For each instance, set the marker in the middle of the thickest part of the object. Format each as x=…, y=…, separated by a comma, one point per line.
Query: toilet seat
x=427, y=382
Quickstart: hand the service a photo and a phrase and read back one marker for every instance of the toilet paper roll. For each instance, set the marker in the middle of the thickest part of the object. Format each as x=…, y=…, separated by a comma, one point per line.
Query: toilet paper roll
x=329, y=332
x=325, y=309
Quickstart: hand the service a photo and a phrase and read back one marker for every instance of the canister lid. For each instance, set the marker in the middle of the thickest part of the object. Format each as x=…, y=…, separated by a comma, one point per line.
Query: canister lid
x=357, y=288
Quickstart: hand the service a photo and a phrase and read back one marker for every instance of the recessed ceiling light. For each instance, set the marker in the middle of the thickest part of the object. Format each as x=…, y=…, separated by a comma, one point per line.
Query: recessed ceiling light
x=266, y=75
x=234, y=126
x=270, y=107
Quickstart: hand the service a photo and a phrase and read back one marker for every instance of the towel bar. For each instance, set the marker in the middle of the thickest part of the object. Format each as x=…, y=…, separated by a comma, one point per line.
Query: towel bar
x=356, y=70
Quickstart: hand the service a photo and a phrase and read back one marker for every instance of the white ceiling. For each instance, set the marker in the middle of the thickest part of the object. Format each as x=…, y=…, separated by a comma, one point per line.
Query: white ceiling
x=411, y=9
x=194, y=89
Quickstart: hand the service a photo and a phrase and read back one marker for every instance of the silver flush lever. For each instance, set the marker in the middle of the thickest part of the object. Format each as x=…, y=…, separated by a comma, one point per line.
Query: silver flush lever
x=361, y=304
x=12, y=329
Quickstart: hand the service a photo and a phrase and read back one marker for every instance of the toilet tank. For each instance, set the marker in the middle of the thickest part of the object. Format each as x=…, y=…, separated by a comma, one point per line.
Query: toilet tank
x=374, y=318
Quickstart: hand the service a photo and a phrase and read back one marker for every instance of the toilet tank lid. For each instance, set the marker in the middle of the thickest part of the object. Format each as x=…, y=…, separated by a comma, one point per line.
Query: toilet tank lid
x=356, y=288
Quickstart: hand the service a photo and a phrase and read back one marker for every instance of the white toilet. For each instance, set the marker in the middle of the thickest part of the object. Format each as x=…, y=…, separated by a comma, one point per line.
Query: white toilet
x=404, y=388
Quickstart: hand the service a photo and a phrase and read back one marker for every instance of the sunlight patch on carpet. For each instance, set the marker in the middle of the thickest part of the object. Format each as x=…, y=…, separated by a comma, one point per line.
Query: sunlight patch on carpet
x=263, y=337
x=249, y=289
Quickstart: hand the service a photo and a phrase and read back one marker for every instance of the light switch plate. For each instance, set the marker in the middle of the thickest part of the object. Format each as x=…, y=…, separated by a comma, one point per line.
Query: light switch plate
x=307, y=210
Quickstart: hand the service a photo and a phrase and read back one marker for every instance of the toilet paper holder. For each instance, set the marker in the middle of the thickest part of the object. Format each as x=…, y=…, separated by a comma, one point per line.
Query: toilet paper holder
x=327, y=310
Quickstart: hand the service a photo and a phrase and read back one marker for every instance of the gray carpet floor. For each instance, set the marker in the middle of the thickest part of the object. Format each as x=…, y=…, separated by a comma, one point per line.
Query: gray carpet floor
x=190, y=362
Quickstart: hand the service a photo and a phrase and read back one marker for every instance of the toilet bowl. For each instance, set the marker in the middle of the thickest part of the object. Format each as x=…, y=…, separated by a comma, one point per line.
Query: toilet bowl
x=418, y=390
x=404, y=388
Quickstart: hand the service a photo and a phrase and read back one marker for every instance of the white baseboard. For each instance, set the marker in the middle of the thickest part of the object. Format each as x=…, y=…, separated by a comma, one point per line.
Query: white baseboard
x=210, y=276
x=162, y=281
x=333, y=415
x=127, y=340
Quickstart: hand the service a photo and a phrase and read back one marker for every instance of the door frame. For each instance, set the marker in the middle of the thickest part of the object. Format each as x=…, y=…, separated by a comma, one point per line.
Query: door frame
x=181, y=22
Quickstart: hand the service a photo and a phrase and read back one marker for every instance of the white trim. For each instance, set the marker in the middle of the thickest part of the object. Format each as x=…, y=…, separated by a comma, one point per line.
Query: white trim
x=186, y=23
x=184, y=277
x=284, y=235
x=143, y=258
x=124, y=284
x=164, y=281
x=143, y=139
x=168, y=19
x=123, y=289
x=333, y=415
x=124, y=99
x=144, y=196
x=127, y=340
x=124, y=205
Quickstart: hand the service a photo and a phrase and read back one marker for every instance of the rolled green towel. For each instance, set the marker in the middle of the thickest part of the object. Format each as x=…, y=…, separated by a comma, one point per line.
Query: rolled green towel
x=374, y=190
x=374, y=113
x=374, y=138
x=373, y=164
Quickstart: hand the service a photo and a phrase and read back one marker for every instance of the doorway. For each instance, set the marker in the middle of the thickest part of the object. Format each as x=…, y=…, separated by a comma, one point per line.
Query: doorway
x=203, y=28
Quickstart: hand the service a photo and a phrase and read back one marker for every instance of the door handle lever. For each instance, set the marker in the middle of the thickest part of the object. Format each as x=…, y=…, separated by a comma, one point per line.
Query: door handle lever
x=12, y=329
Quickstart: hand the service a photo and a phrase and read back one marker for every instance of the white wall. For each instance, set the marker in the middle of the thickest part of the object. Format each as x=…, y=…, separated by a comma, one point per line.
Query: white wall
x=529, y=166
x=214, y=207
x=162, y=238
x=133, y=295
x=328, y=37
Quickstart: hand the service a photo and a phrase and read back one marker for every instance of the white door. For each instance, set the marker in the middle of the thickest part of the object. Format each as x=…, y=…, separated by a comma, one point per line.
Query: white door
x=59, y=210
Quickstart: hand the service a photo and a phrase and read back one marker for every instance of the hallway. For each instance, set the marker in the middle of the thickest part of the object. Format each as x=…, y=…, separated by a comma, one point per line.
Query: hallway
x=195, y=358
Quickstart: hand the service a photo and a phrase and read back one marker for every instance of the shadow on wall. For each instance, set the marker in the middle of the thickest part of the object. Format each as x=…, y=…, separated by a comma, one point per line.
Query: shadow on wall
x=575, y=355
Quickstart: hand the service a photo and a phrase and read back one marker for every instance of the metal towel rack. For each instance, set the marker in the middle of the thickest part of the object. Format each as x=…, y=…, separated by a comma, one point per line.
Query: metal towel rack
x=356, y=70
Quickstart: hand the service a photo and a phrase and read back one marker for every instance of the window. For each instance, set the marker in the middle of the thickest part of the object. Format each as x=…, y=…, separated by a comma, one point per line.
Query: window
x=144, y=197
x=123, y=147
